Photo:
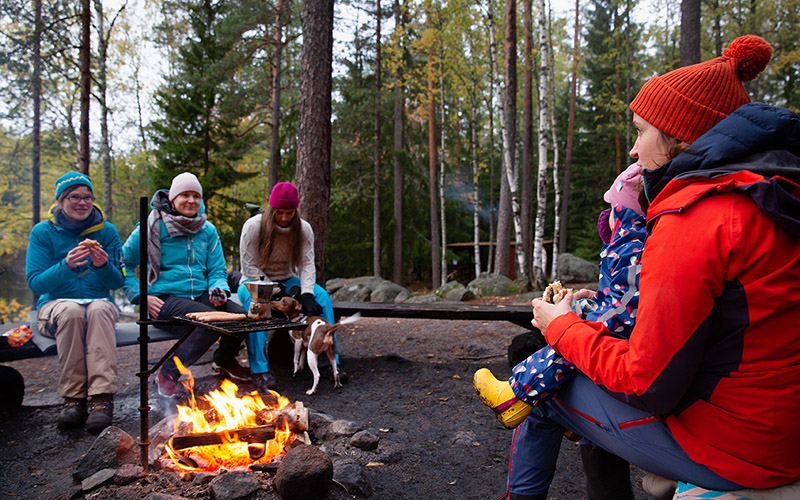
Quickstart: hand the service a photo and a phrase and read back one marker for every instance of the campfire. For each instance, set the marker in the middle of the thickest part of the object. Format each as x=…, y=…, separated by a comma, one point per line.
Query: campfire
x=222, y=429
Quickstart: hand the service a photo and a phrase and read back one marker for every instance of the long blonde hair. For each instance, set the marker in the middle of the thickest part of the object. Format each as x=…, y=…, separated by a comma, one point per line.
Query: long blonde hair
x=266, y=239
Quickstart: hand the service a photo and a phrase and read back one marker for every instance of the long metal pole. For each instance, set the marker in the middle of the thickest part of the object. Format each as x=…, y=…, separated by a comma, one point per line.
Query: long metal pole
x=144, y=321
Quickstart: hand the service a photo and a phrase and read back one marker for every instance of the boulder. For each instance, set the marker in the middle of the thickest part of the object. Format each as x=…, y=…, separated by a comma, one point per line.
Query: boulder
x=305, y=473
x=234, y=485
x=388, y=292
x=494, y=286
x=572, y=269
x=364, y=440
x=424, y=299
x=453, y=291
x=354, y=292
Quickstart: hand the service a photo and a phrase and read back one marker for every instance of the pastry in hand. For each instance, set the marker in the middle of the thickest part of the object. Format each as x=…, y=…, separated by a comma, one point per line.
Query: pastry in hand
x=555, y=292
x=89, y=243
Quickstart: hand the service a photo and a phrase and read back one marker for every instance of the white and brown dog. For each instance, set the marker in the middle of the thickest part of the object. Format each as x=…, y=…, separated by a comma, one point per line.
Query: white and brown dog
x=316, y=338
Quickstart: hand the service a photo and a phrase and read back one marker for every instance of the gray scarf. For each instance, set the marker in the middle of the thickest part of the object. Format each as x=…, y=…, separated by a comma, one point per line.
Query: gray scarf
x=176, y=224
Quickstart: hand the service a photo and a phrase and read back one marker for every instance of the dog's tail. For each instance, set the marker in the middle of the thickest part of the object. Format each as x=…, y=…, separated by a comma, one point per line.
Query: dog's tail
x=348, y=320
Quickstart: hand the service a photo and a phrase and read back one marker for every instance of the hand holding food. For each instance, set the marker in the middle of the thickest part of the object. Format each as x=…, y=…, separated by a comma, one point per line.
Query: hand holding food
x=551, y=305
x=77, y=257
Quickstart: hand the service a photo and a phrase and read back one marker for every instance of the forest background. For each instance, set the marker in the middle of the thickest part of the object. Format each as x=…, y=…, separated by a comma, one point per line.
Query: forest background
x=433, y=143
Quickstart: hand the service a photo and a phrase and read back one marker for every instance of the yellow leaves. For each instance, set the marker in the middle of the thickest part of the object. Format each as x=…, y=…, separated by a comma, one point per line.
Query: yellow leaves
x=12, y=310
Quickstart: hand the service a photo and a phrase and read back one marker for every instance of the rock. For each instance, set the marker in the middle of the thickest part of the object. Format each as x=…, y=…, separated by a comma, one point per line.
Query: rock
x=97, y=479
x=388, y=292
x=356, y=292
x=453, y=291
x=319, y=422
x=234, y=485
x=163, y=496
x=495, y=286
x=128, y=473
x=351, y=475
x=203, y=478
x=341, y=428
x=364, y=440
x=159, y=435
x=572, y=269
x=305, y=473
x=523, y=345
x=110, y=449
x=423, y=299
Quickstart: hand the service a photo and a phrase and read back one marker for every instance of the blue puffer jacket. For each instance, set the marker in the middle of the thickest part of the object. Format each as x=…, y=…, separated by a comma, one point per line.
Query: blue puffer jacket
x=190, y=265
x=50, y=278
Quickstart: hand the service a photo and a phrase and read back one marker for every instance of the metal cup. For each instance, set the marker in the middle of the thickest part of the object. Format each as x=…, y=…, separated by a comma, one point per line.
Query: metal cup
x=260, y=294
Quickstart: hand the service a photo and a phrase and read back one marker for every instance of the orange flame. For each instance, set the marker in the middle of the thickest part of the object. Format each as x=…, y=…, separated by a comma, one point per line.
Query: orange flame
x=229, y=412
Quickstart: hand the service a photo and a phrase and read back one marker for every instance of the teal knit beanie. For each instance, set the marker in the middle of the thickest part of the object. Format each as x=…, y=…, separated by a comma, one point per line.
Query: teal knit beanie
x=71, y=179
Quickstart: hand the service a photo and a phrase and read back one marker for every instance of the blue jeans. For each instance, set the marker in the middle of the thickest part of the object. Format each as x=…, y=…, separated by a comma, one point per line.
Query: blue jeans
x=636, y=436
x=257, y=341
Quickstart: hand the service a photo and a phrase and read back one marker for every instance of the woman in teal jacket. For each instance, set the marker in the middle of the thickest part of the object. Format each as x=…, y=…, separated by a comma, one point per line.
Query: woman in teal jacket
x=186, y=273
x=73, y=277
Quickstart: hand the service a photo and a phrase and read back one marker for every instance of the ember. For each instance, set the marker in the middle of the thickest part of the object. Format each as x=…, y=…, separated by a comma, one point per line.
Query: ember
x=224, y=430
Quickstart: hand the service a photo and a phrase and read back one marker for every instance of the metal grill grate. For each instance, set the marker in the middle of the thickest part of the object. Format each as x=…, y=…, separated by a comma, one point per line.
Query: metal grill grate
x=238, y=327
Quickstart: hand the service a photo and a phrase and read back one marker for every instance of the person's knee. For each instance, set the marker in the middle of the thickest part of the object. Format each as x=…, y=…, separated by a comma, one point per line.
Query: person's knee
x=69, y=312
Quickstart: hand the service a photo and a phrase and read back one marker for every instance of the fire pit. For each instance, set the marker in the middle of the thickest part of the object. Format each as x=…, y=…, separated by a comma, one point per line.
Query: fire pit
x=223, y=429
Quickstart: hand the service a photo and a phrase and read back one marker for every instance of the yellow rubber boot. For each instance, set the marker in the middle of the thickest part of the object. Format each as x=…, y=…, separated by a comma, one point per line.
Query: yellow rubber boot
x=497, y=395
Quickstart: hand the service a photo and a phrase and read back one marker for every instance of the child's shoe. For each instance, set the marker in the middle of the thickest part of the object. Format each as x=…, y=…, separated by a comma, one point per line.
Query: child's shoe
x=498, y=396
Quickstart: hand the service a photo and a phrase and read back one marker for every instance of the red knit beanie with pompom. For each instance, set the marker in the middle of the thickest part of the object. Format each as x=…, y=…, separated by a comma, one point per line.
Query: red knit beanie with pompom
x=687, y=102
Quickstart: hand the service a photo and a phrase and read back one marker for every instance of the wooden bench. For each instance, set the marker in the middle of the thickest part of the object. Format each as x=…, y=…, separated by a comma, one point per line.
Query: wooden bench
x=518, y=314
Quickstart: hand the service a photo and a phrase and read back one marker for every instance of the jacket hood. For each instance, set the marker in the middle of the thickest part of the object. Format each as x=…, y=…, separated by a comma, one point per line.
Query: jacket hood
x=755, y=150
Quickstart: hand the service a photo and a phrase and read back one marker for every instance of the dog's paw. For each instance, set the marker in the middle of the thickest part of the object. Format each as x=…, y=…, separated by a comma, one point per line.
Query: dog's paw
x=337, y=384
x=310, y=392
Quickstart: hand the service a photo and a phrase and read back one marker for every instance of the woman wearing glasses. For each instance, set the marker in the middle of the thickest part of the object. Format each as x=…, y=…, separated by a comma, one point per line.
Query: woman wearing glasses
x=74, y=261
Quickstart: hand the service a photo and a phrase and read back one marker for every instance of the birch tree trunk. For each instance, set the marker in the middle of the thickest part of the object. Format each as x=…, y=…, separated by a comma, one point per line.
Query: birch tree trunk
x=527, y=138
x=493, y=72
x=397, y=205
x=556, y=156
x=436, y=277
x=376, y=174
x=85, y=69
x=476, y=201
x=277, y=68
x=314, y=135
x=442, y=138
x=541, y=193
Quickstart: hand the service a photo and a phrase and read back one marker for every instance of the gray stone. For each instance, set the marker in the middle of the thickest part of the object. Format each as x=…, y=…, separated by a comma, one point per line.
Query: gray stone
x=465, y=438
x=453, y=291
x=97, y=479
x=202, y=478
x=494, y=286
x=234, y=485
x=305, y=473
x=364, y=440
x=342, y=428
x=110, y=449
x=128, y=473
x=318, y=423
x=356, y=292
x=388, y=292
x=572, y=269
x=351, y=475
x=163, y=496
x=423, y=299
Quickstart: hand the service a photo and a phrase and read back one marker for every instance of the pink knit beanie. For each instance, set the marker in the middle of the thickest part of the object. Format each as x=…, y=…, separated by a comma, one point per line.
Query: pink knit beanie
x=687, y=102
x=284, y=196
x=625, y=190
x=183, y=182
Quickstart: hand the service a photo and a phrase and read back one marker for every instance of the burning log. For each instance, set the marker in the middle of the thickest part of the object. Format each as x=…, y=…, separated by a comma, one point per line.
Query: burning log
x=293, y=416
x=259, y=434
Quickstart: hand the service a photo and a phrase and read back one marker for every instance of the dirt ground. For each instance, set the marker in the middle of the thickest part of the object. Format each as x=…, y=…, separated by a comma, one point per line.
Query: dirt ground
x=410, y=383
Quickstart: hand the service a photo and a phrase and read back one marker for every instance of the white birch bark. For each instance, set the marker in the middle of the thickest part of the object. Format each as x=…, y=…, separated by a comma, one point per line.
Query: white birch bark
x=541, y=192
x=556, y=155
x=442, y=137
x=476, y=201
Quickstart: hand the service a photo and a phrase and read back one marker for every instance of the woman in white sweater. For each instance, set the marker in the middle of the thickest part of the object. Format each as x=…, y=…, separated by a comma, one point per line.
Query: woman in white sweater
x=278, y=246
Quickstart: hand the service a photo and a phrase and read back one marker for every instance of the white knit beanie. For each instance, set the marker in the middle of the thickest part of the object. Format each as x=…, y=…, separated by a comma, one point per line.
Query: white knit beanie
x=183, y=182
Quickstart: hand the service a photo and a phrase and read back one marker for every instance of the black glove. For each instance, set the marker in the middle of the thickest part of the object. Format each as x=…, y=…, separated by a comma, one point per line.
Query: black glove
x=278, y=292
x=310, y=306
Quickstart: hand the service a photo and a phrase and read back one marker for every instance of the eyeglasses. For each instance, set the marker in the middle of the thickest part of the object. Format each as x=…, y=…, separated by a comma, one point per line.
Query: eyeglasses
x=74, y=198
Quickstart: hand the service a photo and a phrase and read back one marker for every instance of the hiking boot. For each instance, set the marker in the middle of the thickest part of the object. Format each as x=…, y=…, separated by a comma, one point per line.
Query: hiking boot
x=73, y=414
x=265, y=382
x=167, y=387
x=101, y=412
x=231, y=369
x=498, y=396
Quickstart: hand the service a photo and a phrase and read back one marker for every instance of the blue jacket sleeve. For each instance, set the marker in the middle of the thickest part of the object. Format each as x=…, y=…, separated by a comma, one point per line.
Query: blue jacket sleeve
x=44, y=270
x=130, y=254
x=215, y=263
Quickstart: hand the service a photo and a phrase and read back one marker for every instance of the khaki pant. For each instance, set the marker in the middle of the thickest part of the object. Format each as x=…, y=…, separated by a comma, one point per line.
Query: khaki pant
x=86, y=343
